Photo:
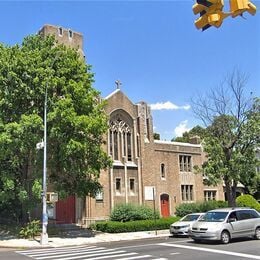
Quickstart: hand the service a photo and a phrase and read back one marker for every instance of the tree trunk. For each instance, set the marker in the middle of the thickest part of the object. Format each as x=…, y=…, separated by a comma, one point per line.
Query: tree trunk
x=230, y=193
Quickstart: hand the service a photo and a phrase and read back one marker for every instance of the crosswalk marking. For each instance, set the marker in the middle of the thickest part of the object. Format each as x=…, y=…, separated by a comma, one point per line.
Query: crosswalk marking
x=109, y=256
x=83, y=253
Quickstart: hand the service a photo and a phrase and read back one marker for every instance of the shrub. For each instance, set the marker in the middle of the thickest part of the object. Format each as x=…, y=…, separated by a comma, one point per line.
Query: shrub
x=187, y=208
x=132, y=226
x=30, y=230
x=248, y=201
x=130, y=212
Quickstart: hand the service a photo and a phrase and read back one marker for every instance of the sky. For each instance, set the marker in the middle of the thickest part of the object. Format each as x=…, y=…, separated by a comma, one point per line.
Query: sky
x=151, y=46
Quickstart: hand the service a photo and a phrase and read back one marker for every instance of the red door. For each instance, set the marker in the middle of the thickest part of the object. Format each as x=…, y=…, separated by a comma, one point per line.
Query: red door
x=165, y=210
x=65, y=211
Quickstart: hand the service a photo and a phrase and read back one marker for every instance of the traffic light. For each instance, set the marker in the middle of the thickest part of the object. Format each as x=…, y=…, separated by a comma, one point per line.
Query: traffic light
x=238, y=7
x=211, y=13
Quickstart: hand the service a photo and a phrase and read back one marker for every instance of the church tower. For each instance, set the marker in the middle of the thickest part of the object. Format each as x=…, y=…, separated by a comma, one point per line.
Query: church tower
x=64, y=36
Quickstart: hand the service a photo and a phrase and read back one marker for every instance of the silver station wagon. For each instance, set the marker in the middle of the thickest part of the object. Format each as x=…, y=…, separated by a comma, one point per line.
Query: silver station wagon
x=225, y=224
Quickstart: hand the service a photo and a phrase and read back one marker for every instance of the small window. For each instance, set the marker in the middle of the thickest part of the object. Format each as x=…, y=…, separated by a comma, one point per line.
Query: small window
x=163, y=171
x=185, y=163
x=70, y=33
x=99, y=196
x=118, y=185
x=132, y=185
x=60, y=31
x=187, y=192
x=210, y=195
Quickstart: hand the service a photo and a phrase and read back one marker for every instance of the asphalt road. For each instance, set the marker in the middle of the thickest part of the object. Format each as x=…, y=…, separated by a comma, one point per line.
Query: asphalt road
x=156, y=249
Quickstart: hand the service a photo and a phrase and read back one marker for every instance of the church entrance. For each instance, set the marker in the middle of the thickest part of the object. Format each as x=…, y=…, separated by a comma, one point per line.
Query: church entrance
x=165, y=207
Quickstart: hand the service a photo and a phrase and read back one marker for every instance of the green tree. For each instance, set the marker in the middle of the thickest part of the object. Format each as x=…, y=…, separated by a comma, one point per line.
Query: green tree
x=232, y=136
x=156, y=136
x=76, y=124
x=187, y=136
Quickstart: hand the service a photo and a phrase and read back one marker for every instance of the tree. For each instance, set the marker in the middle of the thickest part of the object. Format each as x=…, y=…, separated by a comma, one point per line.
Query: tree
x=76, y=123
x=188, y=135
x=232, y=121
x=156, y=136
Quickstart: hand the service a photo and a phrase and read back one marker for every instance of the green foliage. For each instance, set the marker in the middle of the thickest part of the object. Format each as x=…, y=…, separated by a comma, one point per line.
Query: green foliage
x=156, y=136
x=133, y=226
x=31, y=230
x=187, y=208
x=248, y=201
x=130, y=212
x=232, y=135
x=76, y=123
x=186, y=137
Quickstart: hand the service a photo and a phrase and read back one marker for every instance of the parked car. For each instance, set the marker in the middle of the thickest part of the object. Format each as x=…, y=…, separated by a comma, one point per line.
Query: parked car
x=225, y=224
x=182, y=226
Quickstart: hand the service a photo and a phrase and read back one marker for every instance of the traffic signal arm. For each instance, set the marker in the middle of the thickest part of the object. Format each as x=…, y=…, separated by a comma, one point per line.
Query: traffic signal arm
x=211, y=13
x=238, y=7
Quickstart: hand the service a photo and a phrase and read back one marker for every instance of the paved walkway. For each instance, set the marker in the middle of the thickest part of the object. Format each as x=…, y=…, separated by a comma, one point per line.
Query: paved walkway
x=81, y=240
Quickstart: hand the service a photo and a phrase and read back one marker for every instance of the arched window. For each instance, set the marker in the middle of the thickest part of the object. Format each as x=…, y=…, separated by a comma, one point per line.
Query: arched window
x=121, y=137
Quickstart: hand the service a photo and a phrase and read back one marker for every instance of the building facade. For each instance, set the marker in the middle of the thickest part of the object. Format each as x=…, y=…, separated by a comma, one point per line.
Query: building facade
x=145, y=171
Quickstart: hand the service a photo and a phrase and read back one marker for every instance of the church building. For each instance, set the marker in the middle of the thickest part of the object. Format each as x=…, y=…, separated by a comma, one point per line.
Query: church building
x=145, y=171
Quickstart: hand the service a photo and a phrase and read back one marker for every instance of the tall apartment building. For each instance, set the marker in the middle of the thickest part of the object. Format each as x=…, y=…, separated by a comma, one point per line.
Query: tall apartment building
x=145, y=171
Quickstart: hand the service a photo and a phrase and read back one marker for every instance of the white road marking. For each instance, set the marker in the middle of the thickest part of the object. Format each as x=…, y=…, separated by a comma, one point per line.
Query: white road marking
x=174, y=253
x=212, y=250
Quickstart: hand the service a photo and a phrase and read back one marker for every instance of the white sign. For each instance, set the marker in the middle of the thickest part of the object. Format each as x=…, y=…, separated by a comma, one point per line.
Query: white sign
x=149, y=192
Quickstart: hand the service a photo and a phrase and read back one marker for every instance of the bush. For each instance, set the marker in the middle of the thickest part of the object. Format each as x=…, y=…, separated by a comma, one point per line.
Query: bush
x=187, y=208
x=130, y=212
x=30, y=230
x=248, y=201
x=133, y=226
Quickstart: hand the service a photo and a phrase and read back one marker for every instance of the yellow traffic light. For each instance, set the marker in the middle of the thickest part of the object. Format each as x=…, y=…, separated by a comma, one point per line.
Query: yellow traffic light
x=237, y=7
x=211, y=13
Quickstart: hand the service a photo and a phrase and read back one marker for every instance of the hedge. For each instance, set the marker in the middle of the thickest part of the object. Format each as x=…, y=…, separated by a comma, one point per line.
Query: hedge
x=187, y=208
x=131, y=212
x=132, y=226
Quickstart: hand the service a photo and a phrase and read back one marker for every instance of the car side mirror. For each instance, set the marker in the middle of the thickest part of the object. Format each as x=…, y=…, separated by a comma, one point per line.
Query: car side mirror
x=232, y=220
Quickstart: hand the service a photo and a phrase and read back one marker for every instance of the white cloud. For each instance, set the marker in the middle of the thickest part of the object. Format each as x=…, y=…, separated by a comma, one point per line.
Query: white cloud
x=181, y=128
x=168, y=105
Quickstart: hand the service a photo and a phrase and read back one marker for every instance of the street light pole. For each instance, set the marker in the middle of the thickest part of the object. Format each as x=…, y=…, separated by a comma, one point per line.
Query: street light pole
x=44, y=235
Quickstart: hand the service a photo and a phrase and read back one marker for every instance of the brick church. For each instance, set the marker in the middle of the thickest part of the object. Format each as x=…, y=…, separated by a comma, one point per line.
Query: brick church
x=145, y=171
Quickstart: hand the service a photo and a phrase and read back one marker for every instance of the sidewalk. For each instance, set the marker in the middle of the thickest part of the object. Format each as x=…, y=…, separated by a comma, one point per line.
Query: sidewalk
x=80, y=240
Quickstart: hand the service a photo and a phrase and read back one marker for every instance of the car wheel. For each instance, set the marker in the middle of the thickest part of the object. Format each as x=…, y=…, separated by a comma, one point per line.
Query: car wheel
x=225, y=237
x=257, y=233
x=197, y=240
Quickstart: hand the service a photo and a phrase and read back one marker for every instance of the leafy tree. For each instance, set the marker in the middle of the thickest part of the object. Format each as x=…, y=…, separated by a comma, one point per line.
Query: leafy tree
x=232, y=136
x=187, y=136
x=76, y=123
x=156, y=136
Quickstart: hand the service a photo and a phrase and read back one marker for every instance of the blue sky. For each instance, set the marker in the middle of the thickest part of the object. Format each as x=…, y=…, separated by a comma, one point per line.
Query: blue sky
x=152, y=47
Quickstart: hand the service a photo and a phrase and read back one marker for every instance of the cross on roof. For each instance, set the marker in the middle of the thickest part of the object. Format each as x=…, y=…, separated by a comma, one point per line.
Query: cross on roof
x=118, y=84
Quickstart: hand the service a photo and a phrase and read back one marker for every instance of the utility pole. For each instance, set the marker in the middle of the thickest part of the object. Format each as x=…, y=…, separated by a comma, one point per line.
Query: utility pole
x=44, y=235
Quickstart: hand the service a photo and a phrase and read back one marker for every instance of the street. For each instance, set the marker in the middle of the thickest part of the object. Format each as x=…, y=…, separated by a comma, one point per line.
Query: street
x=153, y=249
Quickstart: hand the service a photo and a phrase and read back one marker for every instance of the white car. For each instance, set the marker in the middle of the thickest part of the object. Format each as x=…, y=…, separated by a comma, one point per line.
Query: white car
x=182, y=226
x=225, y=224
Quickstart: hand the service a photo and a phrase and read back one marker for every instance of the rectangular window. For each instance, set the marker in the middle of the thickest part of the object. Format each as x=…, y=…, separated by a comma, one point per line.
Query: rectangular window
x=132, y=185
x=162, y=170
x=118, y=185
x=111, y=143
x=60, y=31
x=115, y=145
x=70, y=33
x=210, y=195
x=99, y=196
x=185, y=163
x=129, y=147
x=187, y=192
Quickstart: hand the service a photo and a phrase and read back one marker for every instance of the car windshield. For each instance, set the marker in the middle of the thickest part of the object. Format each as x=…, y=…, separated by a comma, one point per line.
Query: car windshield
x=214, y=217
x=191, y=217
